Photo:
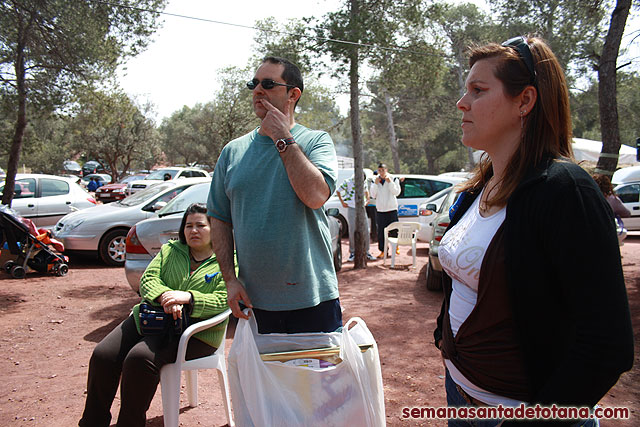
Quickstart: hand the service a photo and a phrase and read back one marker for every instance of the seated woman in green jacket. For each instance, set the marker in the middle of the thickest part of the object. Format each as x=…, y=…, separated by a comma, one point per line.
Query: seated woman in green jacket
x=184, y=274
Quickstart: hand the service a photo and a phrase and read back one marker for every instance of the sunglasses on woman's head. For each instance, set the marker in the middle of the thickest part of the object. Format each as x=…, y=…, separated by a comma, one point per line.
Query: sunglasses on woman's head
x=266, y=84
x=520, y=45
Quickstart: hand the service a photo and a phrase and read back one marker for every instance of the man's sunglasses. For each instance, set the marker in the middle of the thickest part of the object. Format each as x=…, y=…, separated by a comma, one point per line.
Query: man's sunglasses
x=266, y=84
x=524, y=52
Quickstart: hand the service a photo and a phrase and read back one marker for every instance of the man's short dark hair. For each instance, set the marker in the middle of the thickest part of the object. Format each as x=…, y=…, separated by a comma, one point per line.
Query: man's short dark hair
x=291, y=74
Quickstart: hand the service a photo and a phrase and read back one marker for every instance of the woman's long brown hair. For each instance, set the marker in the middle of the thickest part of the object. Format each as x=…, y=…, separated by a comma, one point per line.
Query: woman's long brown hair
x=547, y=128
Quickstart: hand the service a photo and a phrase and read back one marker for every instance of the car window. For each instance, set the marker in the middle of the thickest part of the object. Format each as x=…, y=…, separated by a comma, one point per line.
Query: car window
x=53, y=187
x=159, y=174
x=629, y=193
x=144, y=195
x=195, y=194
x=418, y=187
x=24, y=188
x=165, y=197
x=198, y=174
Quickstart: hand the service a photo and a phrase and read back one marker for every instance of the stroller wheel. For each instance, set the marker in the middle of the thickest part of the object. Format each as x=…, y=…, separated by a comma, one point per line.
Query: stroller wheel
x=7, y=266
x=18, y=272
x=62, y=270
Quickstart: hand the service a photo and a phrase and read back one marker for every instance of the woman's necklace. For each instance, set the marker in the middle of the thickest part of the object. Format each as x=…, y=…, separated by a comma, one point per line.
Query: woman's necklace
x=200, y=261
x=486, y=194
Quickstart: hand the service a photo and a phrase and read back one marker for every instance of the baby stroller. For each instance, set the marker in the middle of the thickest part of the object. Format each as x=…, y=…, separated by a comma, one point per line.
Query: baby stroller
x=29, y=248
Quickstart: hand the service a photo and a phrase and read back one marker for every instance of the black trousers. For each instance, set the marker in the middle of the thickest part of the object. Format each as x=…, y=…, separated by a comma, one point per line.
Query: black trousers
x=138, y=359
x=383, y=219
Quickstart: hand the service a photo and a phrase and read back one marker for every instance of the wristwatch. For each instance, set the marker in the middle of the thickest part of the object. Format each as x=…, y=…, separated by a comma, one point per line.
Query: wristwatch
x=283, y=143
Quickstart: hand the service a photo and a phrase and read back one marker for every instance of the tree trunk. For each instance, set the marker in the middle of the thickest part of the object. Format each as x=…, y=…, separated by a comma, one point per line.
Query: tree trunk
x=607, y=90
x=21, y=124
x=393, y=140
x=360, y=260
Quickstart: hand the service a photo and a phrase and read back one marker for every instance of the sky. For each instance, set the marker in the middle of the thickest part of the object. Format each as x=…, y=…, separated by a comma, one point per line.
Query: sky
x=179, y=66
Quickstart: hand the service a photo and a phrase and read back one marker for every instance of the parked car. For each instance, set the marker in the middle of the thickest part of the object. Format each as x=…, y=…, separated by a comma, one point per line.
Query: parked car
x=626, y=175
x=414, y=191
x=629, y=193
x=116, y=190
x=45, y=199
x=428, y=212
x=71, y=167
x=92, y=166
x=104, y=228
x=440, y=224
x=145, y=239
x=160, y=174
x=102, y=177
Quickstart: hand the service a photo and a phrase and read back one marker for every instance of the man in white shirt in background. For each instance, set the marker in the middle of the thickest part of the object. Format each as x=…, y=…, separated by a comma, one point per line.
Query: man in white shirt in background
x=385, y=189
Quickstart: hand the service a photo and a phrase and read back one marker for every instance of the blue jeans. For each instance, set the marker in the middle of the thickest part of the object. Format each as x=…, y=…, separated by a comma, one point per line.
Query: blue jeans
x=455, y=399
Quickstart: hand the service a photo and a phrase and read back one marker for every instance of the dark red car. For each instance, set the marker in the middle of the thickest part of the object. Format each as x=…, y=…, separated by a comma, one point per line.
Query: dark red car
x=116, y=191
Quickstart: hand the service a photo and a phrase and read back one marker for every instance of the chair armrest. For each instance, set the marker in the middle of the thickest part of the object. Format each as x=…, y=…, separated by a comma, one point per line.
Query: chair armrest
x=195, y=328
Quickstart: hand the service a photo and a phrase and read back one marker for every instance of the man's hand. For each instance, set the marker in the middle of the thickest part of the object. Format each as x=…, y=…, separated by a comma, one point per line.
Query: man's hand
x=236, y=293
x=276, y=124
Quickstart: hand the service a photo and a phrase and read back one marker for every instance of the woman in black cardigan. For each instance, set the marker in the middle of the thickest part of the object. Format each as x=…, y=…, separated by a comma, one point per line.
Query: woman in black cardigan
x=535, y=308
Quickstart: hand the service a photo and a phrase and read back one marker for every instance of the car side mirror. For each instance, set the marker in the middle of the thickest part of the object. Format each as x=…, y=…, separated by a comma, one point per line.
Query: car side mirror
x=333, y=212
x=432, y=207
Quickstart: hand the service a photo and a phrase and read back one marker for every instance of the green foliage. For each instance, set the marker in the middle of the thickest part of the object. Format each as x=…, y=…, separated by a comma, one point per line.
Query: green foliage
x=586, y=115
x=196, y=135
x=112, y=129
x=573, y=29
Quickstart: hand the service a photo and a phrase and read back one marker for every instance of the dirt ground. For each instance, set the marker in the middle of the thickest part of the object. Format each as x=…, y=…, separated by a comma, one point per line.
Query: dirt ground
x=50, y=325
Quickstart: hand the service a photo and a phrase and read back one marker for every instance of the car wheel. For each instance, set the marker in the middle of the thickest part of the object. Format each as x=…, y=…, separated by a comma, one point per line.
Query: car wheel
x=434, y=278
x=337, y=258
x=113, y=248
x=344, y=226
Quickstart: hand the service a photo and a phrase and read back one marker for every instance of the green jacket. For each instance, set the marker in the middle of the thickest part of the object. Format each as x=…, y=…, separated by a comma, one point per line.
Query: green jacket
x=169, y=271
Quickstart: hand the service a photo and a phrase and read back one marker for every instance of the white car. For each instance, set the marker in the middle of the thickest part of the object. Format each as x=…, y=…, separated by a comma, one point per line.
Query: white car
x=45, y=199
x=414, y=191
x=429, y=211
x=629, y=193
x=159, y=175
x=104, y=228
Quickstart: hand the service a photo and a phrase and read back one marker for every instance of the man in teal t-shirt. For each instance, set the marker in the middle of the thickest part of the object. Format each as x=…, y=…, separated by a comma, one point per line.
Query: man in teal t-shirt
x=266, y=196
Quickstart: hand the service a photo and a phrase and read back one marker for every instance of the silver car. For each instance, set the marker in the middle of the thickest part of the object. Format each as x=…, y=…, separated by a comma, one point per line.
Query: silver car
x=147, y=237
x=104, y=228
x=45, y=199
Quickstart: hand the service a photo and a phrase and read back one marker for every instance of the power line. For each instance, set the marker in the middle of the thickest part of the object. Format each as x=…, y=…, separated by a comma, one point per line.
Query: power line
x=249, y=27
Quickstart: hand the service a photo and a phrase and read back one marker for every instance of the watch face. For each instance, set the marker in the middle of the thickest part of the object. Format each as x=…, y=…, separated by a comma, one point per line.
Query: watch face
x=281, y=145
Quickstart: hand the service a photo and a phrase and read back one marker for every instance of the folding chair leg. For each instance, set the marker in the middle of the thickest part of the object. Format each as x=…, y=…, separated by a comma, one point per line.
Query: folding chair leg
x=170, y=386
x=413, y=250
x=224, y=385
x=192, y=387
x=393, y=255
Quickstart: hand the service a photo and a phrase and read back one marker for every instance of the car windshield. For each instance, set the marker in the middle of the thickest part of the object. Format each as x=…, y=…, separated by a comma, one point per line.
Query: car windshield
x=131, y=178
x=160, y=173
x=144, y=195
x=195, y=194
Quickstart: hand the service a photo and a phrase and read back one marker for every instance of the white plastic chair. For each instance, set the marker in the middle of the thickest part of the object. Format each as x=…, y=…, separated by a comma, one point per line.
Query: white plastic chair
x=407, y=235
x=170, y=374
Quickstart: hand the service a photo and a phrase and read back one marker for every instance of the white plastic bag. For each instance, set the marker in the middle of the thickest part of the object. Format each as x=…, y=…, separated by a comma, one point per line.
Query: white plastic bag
x=267, y=394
